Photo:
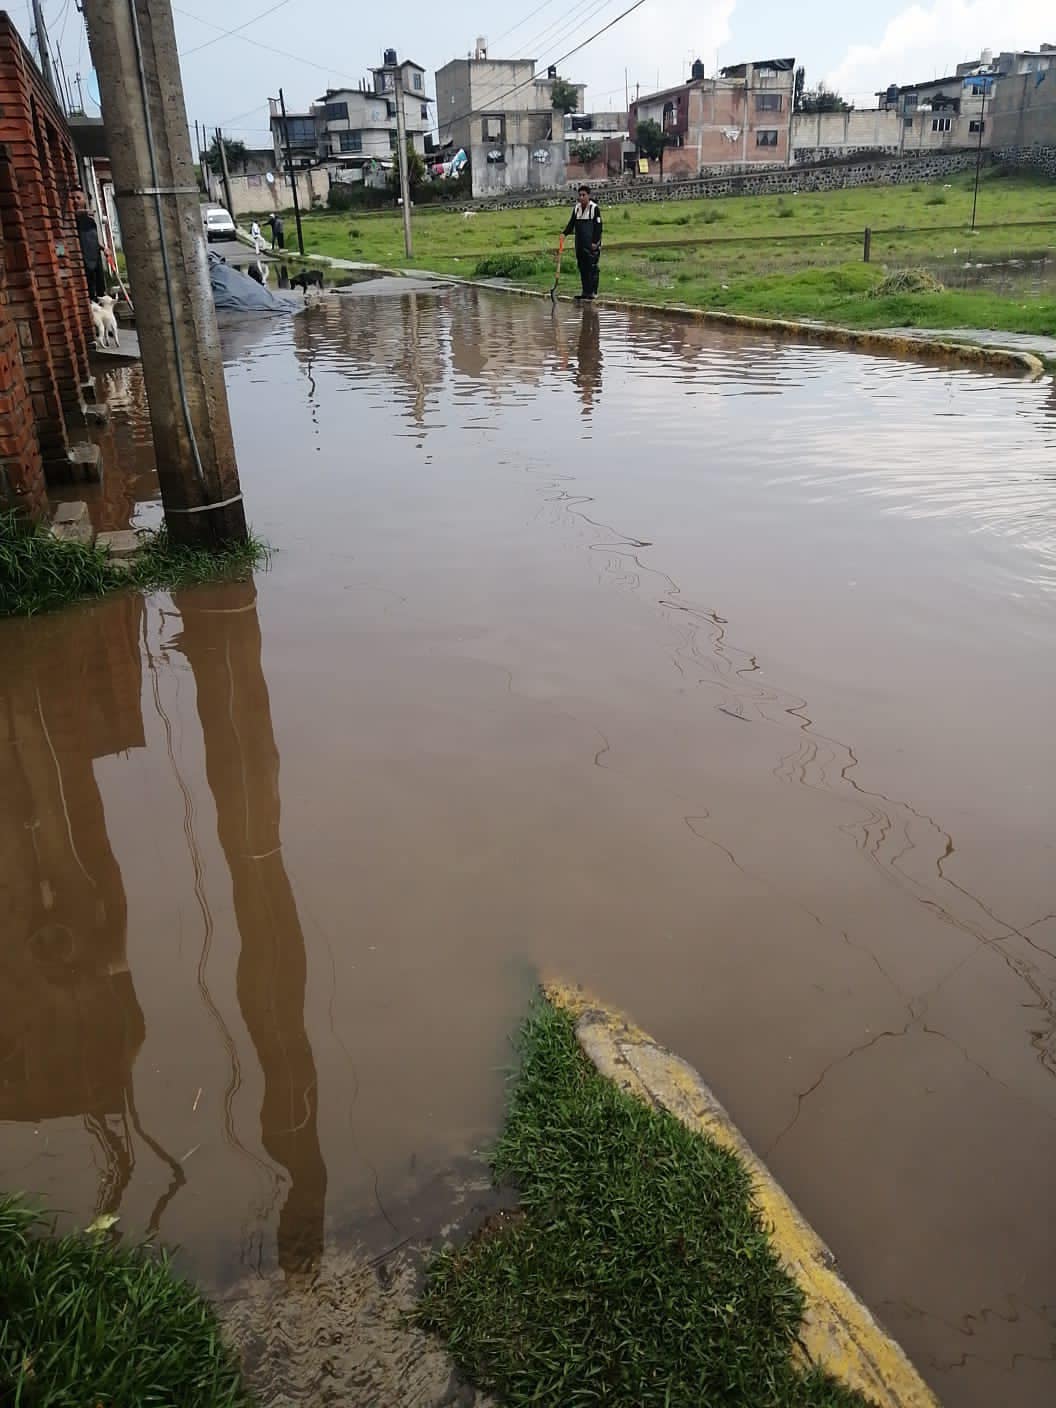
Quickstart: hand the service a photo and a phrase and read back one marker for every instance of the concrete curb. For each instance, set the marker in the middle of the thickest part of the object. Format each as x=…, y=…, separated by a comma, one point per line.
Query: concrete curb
x=839, y=1333
x=859, y=340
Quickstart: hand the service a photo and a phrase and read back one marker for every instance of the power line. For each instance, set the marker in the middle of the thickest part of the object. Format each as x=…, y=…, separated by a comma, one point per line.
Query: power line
x=529, y=16
x=227, y=33
x=257, y=44
x=555, y=33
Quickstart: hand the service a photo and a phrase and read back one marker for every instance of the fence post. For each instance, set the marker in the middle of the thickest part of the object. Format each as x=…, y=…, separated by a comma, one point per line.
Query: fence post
x=867, y=244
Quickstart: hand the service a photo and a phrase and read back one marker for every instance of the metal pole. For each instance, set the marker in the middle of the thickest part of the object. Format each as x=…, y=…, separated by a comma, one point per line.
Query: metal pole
x=291, y=173
x=133, y=44
x=405, y=175
x=978, y=159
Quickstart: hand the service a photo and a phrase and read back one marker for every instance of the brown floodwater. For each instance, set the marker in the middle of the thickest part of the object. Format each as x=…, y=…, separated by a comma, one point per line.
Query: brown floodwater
x=714, y=673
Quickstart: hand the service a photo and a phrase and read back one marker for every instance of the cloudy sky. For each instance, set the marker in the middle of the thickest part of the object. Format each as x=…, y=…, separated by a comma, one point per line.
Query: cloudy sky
x=235, y=54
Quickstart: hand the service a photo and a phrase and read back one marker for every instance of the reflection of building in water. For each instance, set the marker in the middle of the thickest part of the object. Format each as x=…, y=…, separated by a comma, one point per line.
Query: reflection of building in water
x=500, y=339
x=221, y=641
x=363, y=334
x=69, y=693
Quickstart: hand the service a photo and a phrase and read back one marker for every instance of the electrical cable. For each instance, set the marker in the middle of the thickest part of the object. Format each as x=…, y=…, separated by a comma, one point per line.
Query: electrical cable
x=237, y=29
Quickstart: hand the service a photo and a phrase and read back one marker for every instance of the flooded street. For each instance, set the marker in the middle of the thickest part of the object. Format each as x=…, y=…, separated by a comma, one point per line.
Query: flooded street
x=714, y=673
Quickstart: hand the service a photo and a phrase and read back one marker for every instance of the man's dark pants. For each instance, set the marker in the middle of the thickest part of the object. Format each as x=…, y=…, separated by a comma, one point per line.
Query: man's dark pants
x=588, y=272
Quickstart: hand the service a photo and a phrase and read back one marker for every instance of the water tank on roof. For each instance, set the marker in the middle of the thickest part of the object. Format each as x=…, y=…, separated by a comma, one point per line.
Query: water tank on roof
x=697, y=70
x=987, y=58
x=390, y=58
x=891, y=98
x=551, y=72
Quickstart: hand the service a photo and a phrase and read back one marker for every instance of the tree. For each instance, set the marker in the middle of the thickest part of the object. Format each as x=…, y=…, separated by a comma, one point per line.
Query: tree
x=652, y=139
x=819, y=99
x=798, y=86
x=563, y=96
x=584, y=150
x=236, y=156
x=415, y=169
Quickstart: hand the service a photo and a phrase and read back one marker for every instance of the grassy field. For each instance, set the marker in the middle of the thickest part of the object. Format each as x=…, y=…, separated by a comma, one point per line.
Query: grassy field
x=636, y=1273
x=781, y=256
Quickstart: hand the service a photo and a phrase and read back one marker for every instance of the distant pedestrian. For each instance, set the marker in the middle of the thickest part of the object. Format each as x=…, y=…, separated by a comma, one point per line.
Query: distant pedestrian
x=585, y=221
x=257, y=238
x=278, y=232
x=91, y=251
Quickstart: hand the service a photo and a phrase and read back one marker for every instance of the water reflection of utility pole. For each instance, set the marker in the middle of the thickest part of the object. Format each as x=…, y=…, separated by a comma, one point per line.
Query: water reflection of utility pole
x=221, y=641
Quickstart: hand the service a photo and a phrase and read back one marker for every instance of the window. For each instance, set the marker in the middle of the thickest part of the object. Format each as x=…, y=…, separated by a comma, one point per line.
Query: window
x=424, y=111
x=417, y=82
x=768, y=102
x=300, y=131
x=766, y=137
x=394, y=142
x=351, y=141
x=975, y=125
x=941, y=124
x=910, y=101
x=494, y=128
x=907, y=122
x=335, y=112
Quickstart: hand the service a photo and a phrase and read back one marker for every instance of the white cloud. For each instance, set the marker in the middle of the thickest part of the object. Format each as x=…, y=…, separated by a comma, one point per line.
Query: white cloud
x=658, y=38
x=928, y=41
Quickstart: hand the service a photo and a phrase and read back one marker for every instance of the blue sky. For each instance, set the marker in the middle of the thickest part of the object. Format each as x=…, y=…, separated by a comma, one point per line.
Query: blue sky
x=227, y=80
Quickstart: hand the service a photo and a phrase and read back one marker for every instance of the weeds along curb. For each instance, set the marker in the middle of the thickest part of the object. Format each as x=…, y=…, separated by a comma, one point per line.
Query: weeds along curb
x=860, y=340
x=839, y=1333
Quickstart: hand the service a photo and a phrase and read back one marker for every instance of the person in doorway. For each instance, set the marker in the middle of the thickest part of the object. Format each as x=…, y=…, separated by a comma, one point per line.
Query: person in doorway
x=278, y=232
x=91, y=250
x=585, y=223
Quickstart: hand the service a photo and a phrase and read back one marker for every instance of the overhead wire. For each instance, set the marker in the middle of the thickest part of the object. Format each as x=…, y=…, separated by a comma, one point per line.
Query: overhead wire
x=529, y=16
x=228, y=33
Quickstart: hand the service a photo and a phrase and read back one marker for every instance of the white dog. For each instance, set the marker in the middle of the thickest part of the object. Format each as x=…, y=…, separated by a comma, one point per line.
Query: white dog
x=104, y=322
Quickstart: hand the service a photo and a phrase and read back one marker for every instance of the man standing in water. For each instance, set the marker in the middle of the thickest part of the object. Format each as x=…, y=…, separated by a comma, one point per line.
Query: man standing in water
x=585, y=220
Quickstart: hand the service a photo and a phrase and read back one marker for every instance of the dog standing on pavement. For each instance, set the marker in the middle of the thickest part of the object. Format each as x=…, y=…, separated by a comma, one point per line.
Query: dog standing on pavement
x=104, y=322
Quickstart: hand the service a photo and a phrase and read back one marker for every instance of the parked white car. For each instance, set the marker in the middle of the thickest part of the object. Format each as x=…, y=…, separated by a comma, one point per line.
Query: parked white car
x=218, y=224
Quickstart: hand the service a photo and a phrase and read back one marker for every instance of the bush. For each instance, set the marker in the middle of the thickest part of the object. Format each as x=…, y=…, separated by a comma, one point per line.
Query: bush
x=511, y=266
x=907, y=281
x=936, y=198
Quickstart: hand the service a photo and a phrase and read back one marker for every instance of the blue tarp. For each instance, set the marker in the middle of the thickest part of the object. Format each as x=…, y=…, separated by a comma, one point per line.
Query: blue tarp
x=236, y=292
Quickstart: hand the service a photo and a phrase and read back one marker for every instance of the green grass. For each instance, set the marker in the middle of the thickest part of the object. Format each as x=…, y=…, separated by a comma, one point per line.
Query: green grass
x=84, y=1322
x=774, y=256
x=40, y=573
x=636, y=1273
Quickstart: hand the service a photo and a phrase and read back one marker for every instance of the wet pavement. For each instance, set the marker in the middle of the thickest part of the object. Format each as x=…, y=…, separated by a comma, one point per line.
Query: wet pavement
x=713, y=672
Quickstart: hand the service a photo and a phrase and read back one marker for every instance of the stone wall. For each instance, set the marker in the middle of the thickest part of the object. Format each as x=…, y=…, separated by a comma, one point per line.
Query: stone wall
x=812, y=156
x=1038, y=156
x=834, y=176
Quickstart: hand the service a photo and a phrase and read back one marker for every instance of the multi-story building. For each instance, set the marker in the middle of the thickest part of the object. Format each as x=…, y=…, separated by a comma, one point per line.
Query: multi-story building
x=493, y=103
x=1022, y=113
x=941, y=113
x=355, y=125
x=739, y=118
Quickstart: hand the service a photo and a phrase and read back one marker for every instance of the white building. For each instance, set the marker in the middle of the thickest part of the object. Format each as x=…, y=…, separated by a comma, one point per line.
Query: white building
x=357, y=125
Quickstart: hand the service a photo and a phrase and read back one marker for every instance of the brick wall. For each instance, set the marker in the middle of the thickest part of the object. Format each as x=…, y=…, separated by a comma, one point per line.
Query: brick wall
x=21, y=467
x=46, y=296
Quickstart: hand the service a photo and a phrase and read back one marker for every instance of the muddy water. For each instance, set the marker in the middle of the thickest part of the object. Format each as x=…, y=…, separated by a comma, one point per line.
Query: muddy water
x=714, y=673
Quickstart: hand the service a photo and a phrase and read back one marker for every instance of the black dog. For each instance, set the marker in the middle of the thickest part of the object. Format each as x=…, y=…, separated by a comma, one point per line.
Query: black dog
x=306, y=279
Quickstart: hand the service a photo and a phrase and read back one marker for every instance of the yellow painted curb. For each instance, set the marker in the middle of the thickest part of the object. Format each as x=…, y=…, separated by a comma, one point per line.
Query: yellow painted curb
x=839, y=1333
x=929, y=349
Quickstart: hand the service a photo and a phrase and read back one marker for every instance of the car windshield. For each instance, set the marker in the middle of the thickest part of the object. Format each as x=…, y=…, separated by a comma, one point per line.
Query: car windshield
x=218, y=217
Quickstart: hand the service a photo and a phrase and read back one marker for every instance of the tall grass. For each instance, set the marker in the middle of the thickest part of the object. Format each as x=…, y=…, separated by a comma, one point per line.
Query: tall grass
x=39, y=572
x=84, y=1322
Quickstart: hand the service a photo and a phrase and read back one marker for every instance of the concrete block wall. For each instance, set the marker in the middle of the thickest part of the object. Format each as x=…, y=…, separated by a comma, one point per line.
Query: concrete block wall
x=21, y=467
x=1035, y=156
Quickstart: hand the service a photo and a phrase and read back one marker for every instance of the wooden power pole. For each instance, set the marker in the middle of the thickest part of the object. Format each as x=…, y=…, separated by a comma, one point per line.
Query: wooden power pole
x=133, y=46
x=225, y=175
x=405, y=175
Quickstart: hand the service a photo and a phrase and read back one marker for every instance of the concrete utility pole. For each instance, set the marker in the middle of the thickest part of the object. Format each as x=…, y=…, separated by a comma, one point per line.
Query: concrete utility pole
x=42, y=47
x=225, y=175
x=291, y=173
x=133, y=46
x=405, y=175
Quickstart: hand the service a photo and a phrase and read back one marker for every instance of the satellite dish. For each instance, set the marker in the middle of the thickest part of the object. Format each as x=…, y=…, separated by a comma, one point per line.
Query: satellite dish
x=269, y=176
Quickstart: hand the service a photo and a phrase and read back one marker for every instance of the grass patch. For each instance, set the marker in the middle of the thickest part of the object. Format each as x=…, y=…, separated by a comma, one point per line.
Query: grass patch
x=637, y=1273
x=85, y=1323
x=40, y=573
x=510, y=266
